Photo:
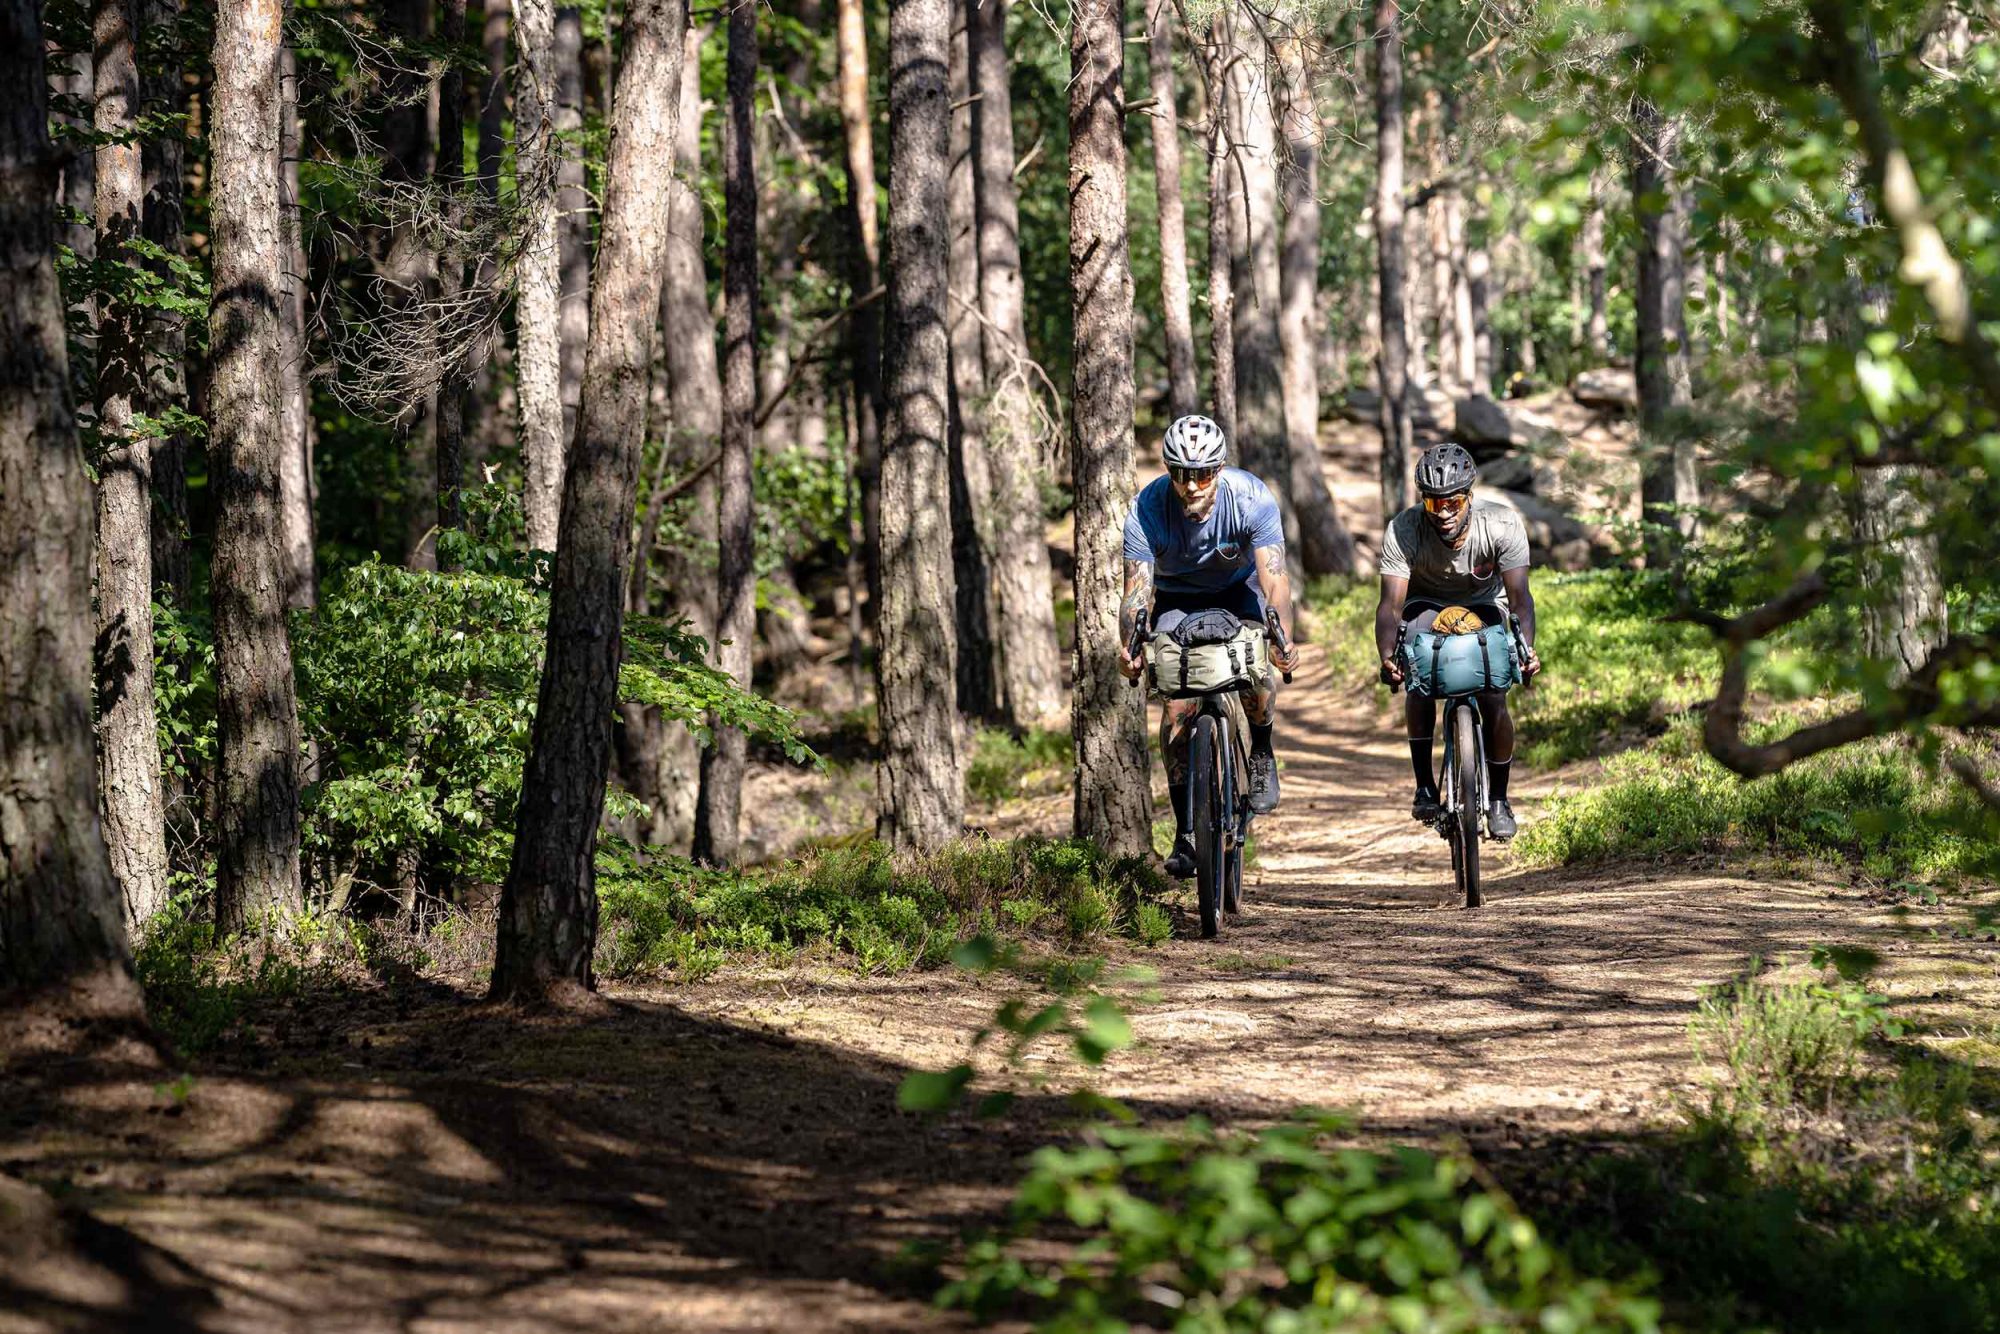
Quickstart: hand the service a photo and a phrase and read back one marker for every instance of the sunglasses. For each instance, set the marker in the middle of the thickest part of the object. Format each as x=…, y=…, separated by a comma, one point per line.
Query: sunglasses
x=1191, y=476
x=1451, y=504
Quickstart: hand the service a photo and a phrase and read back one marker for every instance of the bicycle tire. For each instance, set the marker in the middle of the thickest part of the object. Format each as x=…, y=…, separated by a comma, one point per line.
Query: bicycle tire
x=1205, y=796
x=1466, y=729
x=1232, y=878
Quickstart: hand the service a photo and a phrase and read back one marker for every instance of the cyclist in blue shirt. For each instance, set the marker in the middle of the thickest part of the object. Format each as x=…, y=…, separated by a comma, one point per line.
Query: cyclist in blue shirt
x=1206, y=536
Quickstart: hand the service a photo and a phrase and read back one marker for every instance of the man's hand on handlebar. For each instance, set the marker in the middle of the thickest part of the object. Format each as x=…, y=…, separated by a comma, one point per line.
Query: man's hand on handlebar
x=1392, y=672
x=1285, y=656
x=1130, y=667
x=1533, y=667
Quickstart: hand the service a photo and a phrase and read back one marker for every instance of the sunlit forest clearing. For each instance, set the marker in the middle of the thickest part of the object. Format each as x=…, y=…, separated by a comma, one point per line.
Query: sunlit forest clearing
x=586, y=730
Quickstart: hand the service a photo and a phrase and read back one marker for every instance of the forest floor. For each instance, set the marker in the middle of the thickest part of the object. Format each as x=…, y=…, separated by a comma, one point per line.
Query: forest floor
x=729, y=1156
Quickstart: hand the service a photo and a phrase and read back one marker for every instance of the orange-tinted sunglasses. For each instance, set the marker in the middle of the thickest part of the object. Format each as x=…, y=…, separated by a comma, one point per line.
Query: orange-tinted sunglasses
x=1450, y=504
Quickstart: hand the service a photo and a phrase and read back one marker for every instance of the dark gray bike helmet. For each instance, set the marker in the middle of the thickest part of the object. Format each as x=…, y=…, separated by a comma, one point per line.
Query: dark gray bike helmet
x=1444, y=469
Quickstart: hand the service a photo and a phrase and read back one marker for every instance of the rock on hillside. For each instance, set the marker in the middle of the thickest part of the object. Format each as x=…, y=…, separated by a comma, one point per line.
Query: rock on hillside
x=1607, y=388
x=1485, y=426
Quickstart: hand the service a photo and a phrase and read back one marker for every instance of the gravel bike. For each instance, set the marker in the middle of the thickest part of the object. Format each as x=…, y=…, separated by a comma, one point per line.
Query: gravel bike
x=1218, y=788
x=1462, y=792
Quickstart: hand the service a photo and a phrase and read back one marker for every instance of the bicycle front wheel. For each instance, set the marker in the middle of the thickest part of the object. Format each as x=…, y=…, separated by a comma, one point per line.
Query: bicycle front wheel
x=1466, y=739
x=1205, y=795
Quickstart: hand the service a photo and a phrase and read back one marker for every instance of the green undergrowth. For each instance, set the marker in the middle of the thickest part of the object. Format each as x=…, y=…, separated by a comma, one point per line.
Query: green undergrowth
x=1830, y=1174
x=1874, y=804
x=1004, y=765
x=866, y=907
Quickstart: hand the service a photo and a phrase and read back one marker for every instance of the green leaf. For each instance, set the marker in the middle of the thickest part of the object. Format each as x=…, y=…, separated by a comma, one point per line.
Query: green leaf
x=933, y=1090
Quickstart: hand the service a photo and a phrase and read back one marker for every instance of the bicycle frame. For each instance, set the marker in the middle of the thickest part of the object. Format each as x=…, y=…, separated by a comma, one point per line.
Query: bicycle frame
x=1448, y=786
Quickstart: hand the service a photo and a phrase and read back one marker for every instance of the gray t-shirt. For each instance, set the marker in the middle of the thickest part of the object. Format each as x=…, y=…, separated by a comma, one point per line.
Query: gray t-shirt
x=1412, y=550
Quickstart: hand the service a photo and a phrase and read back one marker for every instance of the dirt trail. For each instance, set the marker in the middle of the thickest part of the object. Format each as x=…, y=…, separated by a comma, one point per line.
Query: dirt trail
x=728, y=1156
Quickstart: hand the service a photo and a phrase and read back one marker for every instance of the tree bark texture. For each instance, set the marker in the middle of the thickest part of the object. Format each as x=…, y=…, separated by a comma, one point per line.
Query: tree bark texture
x=1597, y=335
x=1262, y=442
x=295, y=472
x=1324, y=544
x=1024, y=634
x=409, y=132
x=974, y=551
x=1667, y=464
x=1113, y=801
x=548, y=906
x=128, y=741
x=865, y=328
x=166, y=372
x=1478, y=288
x=922, y=785
x=1221, y=244
x=257, y=801
x=717, y=820
x=60, y=923
x=1442, y=326
x=449, y=177
x=572, y=212
x=1903, y=615
x=539, y=300
x=1183, y=390
x=1393, y=361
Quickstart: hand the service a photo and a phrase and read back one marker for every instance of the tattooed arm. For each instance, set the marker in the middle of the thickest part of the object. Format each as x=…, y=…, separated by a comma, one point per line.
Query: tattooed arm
x=1138, y=601
x=1276, y=582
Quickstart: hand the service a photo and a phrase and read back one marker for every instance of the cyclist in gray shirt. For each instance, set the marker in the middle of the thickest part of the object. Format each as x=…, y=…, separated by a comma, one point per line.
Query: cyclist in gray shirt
x=1452, y=550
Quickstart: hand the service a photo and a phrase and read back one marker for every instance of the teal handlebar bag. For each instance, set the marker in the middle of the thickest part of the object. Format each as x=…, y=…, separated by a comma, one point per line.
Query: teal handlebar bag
x=1439, y=666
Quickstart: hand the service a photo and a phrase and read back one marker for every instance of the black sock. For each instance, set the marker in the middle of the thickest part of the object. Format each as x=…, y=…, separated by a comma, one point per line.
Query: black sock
x=1260, y=736
x=1496, y=779
x=1177, y=794
x=1420, y=762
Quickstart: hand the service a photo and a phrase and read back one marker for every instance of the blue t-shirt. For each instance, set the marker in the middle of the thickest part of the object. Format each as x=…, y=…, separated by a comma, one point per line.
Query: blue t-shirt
x=1214, y=554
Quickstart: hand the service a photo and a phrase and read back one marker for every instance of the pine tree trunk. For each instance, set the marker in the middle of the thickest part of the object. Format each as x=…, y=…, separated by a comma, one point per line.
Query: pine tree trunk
x=922, y=784
x=1221, y=244
x=257, y=802
x=548, y=906
x=128, y=741
x=865, y=327
x=491, y=396
x=449, y=177
x=1263, y=441
x=61, y=931
x=1465, y=338
x=974, y=551
x=1024, y=611
x=295, y=474
x=1903, y=615
x=1113, y=800
x=539, y=304
x=409, y=135
x=572, y=213
x=1597, y=332
x=1667, y=464
x=1394, y=364
x=1183, y=391
x=166, y=337
x=717, y=821
x=1478, y=280
x=1443, y=324
x=1324, y=544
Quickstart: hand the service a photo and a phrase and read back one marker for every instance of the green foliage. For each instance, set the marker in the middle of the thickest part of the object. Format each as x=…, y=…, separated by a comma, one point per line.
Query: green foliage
x=879, y=912
x=198, y=989
x=1873, y=802
x=1192, y=1228
x=1004, y=765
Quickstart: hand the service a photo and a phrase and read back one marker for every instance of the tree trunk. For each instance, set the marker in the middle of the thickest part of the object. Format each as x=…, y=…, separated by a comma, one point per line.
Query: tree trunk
x=1183, y=392
x=1113, y=800
x=922, y=783
x=491, y=396
x=166, y=337
x=1221, y=244
x=1394, y=357
x=1667, y=465
x=974, y=551
x=1443, y=323
x=548, y=906
x=449, y=177
x=257, y=802
x=1478, y=280
x=539, y=304
x=1596, y=332
x=128, y=741
x=409, y=133
x=865, y=327
x=1263, y=442
x=72, y=78
x=572, y=213
x=60, y=927
x=1465, y=339
x=1903, y=615
x=717, y=820
x=1324, y=544
x=1025, y=626
x=295, y=473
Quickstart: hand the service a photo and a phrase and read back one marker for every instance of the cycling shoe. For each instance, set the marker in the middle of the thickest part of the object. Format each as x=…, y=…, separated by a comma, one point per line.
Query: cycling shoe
x=1425, y=808
x=1500, y=820
x=1180, y=862
x=1263, y=782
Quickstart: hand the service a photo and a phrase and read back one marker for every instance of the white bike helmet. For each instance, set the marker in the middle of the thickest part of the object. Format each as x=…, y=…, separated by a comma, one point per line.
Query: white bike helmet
x=1195, y=442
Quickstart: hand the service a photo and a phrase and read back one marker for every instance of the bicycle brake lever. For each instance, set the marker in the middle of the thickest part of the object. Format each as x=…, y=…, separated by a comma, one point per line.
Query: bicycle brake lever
x=1277, y=633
